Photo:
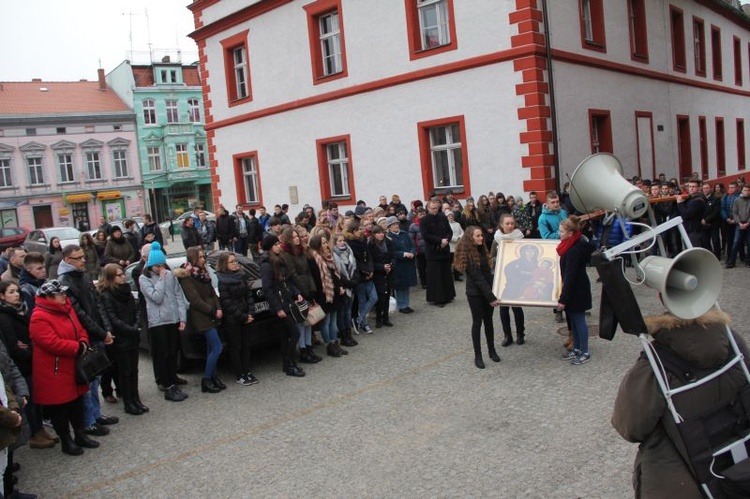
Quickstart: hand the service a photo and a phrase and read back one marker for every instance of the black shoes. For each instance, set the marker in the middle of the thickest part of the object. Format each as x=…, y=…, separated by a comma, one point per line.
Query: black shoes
x=349, y=342
x=140, y=405
x=479, y=362
x=507, y=341
x=307, y=356
x=521, y=338
x=174, y=394
x=132, y=409
x=180, y=381
x=494, y=356
x=294, y=370
x=82, y=440
x=218, y=383
x=69, y=446
x=387, y=323
x=107, y=420
x=208, y=385
x=378, y=324
x=96, y=430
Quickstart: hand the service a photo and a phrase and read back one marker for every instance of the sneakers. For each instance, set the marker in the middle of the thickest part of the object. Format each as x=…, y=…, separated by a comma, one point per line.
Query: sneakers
x=573, y=354
x=366, y=329
x=252, y=379
x=174, y=394
x=107, y=420
x=581, y=359
x=247, y=380
x=355, y=326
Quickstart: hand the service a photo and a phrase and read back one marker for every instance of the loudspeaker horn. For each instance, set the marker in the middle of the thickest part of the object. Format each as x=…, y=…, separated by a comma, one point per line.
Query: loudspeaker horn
x=597, y=184
x=689, y=283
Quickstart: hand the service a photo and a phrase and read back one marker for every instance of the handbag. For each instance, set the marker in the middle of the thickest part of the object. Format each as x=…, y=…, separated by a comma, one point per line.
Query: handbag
x=91, y=364
x=298, y=310
x=315, y=314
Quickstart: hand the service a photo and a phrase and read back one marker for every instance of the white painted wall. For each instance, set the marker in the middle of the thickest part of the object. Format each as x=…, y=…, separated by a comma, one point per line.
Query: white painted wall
x=384, y=139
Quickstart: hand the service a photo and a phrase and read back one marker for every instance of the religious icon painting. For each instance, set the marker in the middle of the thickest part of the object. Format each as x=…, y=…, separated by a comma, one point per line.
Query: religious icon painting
x=527, y=273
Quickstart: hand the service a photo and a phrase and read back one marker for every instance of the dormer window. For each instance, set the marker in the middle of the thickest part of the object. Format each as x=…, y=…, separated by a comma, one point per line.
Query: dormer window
x=168, y=75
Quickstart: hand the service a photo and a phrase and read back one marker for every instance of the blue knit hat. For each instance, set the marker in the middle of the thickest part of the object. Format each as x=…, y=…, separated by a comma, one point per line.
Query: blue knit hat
x=156, y=256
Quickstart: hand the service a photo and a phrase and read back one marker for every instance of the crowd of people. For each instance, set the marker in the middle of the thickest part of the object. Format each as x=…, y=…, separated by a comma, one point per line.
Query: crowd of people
x=351, y=265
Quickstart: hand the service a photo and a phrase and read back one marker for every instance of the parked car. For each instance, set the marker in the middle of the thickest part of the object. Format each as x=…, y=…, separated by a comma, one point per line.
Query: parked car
x=38, y=239
x=11, y=237
x=176, y=224
x=192, y=345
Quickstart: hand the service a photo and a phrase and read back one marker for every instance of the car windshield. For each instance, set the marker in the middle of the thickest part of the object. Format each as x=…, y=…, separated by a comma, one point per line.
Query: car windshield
x=63, y=233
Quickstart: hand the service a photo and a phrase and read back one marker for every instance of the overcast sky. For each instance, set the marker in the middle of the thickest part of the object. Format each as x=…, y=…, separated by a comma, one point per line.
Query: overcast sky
x=60, y=40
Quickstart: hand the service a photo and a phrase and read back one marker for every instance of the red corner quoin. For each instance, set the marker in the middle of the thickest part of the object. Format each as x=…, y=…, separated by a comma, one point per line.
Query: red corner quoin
x=533, y=86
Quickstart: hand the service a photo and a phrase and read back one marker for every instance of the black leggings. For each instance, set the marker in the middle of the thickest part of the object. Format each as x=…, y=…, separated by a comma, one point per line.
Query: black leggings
x=289, y=338
x=238, y=336
x=164, y=348
x=64, y=415
x=127, y=362
x=505, y=319
x=481, y=311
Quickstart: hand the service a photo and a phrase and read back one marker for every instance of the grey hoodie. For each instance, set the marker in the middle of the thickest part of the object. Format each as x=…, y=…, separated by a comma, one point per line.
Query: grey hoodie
x=165, y=301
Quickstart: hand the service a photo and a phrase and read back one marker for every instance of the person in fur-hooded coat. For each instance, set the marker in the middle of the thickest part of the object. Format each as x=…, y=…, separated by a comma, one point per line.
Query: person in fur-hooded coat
x=641, y=411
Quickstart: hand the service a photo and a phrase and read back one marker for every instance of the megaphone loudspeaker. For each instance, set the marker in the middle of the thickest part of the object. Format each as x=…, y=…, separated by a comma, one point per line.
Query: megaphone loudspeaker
x=689, y=283
x=597, y=184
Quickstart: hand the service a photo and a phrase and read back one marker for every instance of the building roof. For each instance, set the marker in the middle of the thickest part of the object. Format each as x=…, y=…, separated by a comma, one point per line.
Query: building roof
x=144, y=76
x=57, y=97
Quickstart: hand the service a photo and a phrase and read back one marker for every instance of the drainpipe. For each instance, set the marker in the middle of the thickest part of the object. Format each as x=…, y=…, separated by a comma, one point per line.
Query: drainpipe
x=551, y=81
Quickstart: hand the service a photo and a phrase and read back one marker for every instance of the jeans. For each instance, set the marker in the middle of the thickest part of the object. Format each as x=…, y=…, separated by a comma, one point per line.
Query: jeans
x=580, y=331
x=402, y=298
x=344, y=313
x=329, y=328
x=240, y=246
x=741, y=238
x=91, y=406
x=33, y=411
x=213, y=350
x=368, y=297
x=305, y=335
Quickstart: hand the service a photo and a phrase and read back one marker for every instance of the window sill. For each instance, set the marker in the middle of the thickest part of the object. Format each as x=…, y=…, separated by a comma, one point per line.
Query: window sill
x=702, y=74
x=95, y=181
x=643, y=58
x=680, y=69
x=39, y=186
x=439, y=49
x=718, y=78
x=243, y=100
x=594, y=45
x=9, y=188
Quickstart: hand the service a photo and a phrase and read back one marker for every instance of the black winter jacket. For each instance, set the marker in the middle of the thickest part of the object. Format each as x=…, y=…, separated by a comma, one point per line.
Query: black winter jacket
x=576, y=287
x=479, y=279
x=434, y=229
x=119, y=308
x=235, y=293
x=85, y=300
x=14, y=327
x=280, y=293
x=379, y=259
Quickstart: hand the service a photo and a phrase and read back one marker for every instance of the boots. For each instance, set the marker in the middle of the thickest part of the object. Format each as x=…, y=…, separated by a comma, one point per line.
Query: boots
x=332, y=350
x=386, y=318
x=40, y=440
x=341, y=350
x=520, y=337
x=69, y=446
x=218, y=383
x=315, y=357
x=347, y=340
x=207, y=385
x=494, y=356
x=479, y=362
x=84, y=441
x=140, y=405
x=291, y=369
x=131, y=408
x=507, y=340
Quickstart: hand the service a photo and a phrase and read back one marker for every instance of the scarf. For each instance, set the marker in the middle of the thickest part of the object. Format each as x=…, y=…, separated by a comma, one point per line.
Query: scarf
x=201, y=275
x=230, y=277
x=326, y=267
x=568, y=243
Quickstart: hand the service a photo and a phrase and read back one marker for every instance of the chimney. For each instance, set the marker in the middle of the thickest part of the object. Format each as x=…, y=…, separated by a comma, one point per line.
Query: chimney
x=102, y=81
x=165, y=59
x=36, y=80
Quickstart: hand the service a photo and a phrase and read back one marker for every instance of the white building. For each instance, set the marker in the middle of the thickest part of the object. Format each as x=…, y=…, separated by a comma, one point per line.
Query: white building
x=308, y=101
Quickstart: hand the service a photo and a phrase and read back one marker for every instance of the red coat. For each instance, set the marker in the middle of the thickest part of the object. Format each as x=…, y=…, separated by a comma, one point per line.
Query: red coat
x=55, y=332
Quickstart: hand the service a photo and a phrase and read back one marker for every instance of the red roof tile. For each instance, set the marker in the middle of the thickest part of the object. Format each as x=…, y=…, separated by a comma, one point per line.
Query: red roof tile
x=144, y=76
x=60, y=97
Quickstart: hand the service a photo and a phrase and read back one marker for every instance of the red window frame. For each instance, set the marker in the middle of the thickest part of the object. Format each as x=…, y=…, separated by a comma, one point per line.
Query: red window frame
x=415, y=36
x=703, y=145
x=737, y=45
x=239, y=180
x=699, y=31
x=598, y=34
x=741, y=158
x=228, y=46
x=716, y=61
x=650, y=116
x=721, y=151
x=321, y=146
x=684, y=151
x=602, y=120
x=638, y=26
x=677, y=26
x=314, y=11
x=425, y=155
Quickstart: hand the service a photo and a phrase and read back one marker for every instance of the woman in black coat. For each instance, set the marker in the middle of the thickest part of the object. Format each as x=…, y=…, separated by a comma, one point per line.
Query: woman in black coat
x=281, y=294
x=119, y=307
x=380, y=249
x=575, y=298
x=472, y=258
x=236, y=295
x=437, y=233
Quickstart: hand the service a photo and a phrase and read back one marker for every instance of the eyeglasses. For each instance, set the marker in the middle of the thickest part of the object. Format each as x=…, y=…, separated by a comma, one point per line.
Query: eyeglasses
x=231, y=261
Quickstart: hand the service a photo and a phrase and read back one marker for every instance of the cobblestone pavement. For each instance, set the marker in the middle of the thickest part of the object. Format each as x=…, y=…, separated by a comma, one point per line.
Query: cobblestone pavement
x=405, y=414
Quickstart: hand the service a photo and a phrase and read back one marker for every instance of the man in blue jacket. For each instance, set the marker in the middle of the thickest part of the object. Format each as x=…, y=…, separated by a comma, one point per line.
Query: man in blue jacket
x=728, y=225
x=552, y=215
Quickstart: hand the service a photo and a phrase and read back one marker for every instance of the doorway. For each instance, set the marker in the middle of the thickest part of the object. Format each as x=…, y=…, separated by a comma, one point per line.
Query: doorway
x=43, y=217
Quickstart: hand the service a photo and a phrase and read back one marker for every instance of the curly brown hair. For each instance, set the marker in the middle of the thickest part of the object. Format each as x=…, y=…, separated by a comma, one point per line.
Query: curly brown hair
x=468, y=254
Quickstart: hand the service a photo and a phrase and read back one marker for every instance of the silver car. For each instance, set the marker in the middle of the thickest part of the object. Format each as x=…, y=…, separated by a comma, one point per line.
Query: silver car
x=38, y=239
